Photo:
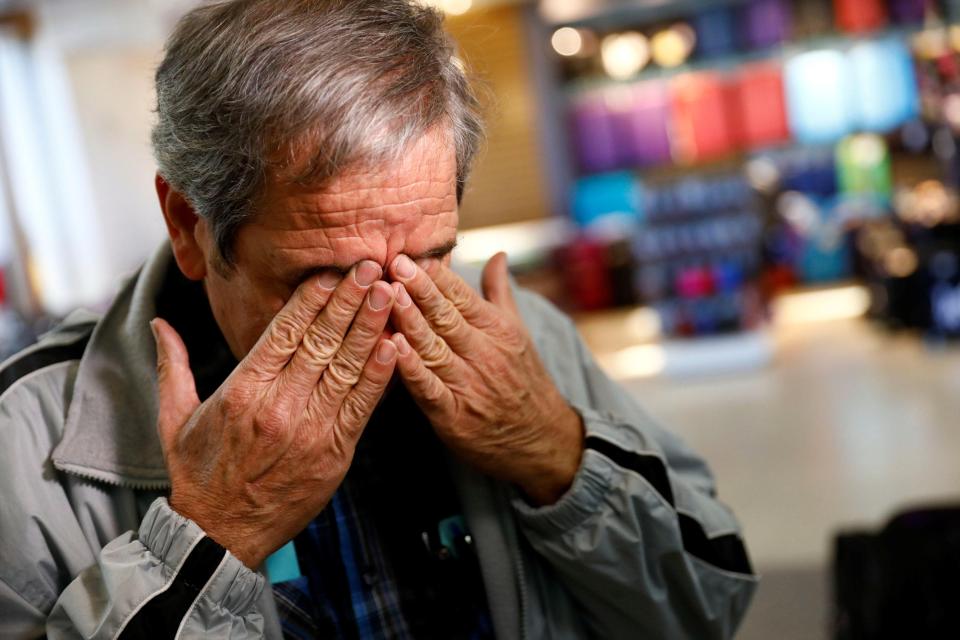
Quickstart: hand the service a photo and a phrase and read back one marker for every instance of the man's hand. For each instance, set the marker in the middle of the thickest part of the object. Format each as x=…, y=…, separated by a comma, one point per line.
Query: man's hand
x=475, y=373
x=264, y=454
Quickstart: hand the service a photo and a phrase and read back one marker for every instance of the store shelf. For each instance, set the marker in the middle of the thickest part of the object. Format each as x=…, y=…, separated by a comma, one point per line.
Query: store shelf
x=837, y=40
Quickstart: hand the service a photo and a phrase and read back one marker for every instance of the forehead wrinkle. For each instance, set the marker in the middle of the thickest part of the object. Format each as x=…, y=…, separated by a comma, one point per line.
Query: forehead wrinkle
x=382, y=187
x=313, y=240
x=362, y=196
x=423, y=176
x=313, y=215
x=390, y=213
x=343, y=246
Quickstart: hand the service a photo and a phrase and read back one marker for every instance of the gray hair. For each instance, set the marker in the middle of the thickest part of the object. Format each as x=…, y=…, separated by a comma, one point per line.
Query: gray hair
x=310, y=86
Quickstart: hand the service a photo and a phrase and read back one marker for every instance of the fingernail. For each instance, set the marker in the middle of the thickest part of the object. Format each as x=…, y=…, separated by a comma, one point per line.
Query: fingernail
x=405, y=267
x=367, y=273
x=329, y=280
x=153, y=330
x=403, y=298
x=380, y=296
x=424, y=263
x=402, y=345
x=386, y=351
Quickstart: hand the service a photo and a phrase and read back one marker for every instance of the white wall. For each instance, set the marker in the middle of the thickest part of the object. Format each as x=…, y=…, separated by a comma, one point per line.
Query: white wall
x=114, y=98
x=108, y=50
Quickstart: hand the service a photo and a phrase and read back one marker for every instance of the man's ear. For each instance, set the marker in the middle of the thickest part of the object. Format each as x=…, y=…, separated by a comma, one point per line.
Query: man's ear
x=183, y=226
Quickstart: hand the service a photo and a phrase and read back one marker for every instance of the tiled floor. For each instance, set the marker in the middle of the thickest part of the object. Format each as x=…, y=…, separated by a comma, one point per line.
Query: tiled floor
x=848, y=425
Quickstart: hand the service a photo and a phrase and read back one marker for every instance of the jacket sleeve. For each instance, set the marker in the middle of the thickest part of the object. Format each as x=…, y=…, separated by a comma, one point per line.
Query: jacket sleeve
x=640, y=540
x=169, y=580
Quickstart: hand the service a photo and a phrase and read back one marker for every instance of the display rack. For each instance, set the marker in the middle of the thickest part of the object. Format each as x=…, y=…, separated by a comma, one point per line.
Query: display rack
x=618, y=160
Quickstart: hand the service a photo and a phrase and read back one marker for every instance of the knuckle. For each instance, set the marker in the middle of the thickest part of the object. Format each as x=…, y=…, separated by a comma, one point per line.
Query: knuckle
x=340, y=444
x=315, y=421
x=432, y=390
x=302, y=437
x=363, y=332
x=343, y=373
x=342, y=308
x=507, y=331
x=445, y=319
x=284, y=335
x=321, y=343
x=310, y=295
x=233, y=401
x=436, y=352
x=270, y=425
x=354, y=410
x=519, y=341
x=463, y=294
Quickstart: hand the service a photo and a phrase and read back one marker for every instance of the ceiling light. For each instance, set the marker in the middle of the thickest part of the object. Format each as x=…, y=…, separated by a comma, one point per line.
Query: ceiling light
x=671, y=47
x=567, y=41
x=624, y=54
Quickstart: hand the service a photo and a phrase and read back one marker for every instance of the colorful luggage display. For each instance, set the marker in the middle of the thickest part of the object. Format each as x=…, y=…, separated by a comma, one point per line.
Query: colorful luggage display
x=592, y=134
x=702, y=117
x=819, y=103
x=761, y=106
x=641, y=124
x=765, y=23
x=716, y=32
x=884, y=85
x=859, y=16
x=909, y=11
x=606, y=195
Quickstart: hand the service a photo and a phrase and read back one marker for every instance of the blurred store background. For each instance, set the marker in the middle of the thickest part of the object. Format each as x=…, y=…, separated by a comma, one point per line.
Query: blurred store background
x=750, y=206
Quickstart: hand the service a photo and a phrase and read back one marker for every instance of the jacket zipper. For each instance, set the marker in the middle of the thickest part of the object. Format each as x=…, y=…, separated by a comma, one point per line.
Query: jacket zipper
x=111, y=479
x=522, y=586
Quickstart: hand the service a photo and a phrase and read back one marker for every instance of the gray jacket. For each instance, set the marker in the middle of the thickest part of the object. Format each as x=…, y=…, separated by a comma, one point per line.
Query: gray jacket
x=639, y=547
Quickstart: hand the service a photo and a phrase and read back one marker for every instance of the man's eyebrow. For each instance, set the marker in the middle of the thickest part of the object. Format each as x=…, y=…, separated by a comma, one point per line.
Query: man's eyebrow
x=438, y=252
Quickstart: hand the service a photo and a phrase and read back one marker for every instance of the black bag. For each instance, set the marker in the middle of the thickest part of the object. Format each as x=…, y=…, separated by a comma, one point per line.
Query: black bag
x=900, y=584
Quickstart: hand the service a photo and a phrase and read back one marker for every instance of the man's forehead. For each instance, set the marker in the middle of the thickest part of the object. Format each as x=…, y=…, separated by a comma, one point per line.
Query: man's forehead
x=373, y=212
x=422, y=182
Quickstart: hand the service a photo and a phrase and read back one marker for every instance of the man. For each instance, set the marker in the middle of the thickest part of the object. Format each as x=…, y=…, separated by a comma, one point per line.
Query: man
x=448, y=463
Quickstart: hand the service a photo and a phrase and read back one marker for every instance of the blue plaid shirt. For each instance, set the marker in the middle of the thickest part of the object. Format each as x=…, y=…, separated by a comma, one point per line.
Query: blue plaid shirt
x=389, y=557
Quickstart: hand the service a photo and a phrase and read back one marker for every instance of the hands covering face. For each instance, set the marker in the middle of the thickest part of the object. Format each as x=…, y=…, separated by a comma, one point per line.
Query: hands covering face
x=254, y=463
x=472, y=367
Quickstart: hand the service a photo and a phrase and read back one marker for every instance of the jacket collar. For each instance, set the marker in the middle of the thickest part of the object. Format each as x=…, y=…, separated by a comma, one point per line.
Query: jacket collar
x=110, y=430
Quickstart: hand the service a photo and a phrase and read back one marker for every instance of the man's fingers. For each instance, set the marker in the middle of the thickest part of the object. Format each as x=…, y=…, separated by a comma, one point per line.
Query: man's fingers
x=175, y=384
x=283, y=336
x=323, y=338
x=496, y=284
x=426, y=388
x=347, y=367
x=359, y=404
x=465, y=298
x=441, y=314
x=436, y=353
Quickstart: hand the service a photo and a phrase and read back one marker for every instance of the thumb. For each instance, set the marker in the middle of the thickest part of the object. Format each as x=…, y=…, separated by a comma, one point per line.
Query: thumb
x=175, y=384
x=496, y=283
